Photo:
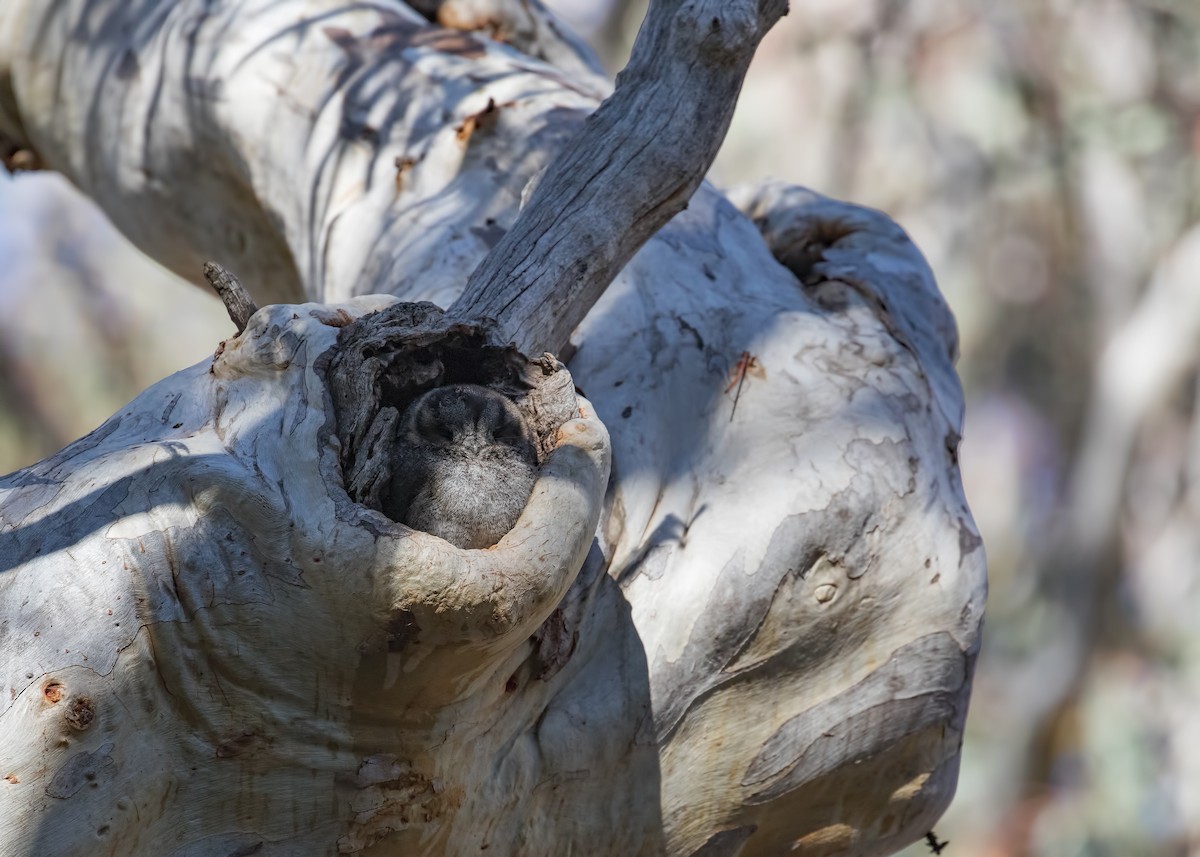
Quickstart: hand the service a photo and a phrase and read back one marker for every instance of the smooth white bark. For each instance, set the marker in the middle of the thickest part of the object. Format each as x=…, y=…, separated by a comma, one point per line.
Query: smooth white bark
x=770, y=645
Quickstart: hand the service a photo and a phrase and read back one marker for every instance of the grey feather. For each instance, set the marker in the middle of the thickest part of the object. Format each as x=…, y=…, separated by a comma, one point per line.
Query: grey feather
x=464, y=465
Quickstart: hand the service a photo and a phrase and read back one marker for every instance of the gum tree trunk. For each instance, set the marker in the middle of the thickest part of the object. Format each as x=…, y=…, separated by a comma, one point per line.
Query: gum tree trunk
x=741, y=610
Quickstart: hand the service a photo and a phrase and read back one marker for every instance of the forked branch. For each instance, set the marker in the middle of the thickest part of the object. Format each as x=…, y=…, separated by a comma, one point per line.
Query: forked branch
x=634, y=165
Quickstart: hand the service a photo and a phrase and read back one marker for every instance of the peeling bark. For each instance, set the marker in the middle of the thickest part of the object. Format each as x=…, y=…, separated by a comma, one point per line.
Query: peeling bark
x=757, y=637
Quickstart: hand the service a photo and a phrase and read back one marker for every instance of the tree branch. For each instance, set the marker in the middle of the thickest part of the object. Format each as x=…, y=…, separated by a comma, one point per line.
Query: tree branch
x=527, y=25
x=633, y=167
x=233, y=294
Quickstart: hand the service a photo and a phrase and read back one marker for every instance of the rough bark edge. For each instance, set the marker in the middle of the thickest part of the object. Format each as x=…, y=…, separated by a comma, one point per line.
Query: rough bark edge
x=655, y=137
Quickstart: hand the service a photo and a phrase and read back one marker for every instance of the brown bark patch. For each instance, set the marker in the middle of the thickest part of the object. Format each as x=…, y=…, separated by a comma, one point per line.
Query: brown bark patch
x=81, y=711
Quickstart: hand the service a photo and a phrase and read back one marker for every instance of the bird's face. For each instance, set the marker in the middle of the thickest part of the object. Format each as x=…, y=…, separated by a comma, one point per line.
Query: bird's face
x=468, y=416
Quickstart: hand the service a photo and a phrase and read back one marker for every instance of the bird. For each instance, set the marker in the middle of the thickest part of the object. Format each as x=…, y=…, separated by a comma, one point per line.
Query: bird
x=463, y=465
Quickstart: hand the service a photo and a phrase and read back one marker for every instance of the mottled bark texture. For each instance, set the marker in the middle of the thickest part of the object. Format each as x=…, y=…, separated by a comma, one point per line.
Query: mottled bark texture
x=232, y=293
x=755, y=638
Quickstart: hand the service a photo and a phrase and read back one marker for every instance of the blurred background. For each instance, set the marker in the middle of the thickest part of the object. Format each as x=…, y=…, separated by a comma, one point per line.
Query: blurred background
x=1045, y=155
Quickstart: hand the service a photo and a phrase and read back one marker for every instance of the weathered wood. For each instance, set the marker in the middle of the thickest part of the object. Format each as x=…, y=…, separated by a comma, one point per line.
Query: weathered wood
x=767, y=648
x=234, y=631
x=634, y=166
x=233, y=294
